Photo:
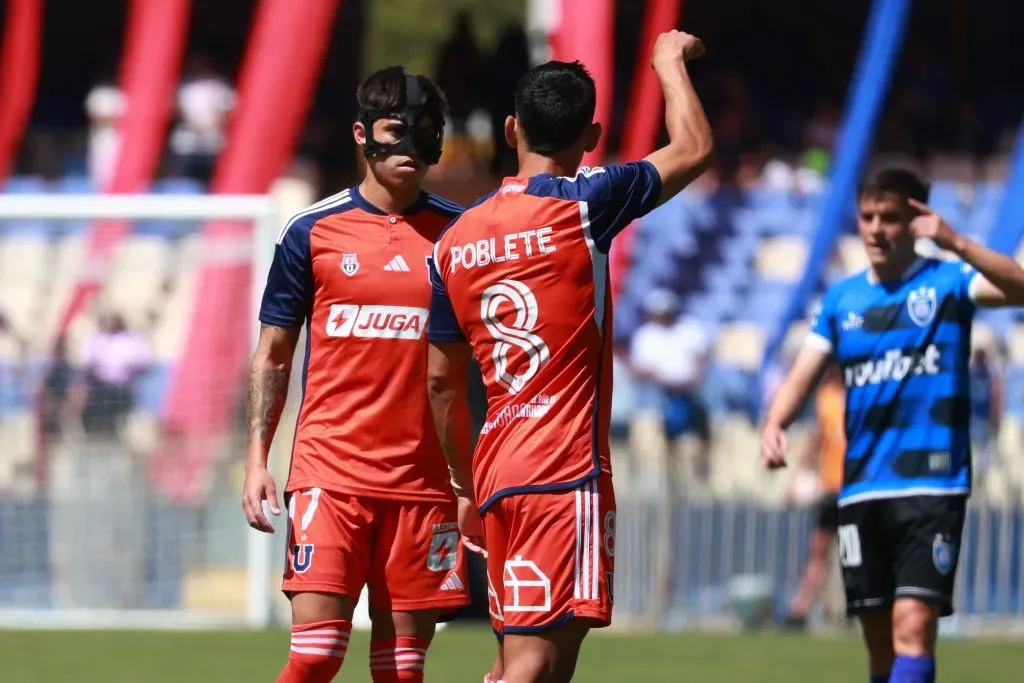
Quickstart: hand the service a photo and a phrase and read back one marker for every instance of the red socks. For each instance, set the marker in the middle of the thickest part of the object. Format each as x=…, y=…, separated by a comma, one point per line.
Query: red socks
x=317, y=651
x=398, y=660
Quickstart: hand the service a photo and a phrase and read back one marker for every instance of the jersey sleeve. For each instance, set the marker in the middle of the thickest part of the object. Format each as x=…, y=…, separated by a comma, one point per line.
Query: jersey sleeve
x=822, y=334
x=614, y=196
x=442, y=326
x=288, y=297
x=969, y=281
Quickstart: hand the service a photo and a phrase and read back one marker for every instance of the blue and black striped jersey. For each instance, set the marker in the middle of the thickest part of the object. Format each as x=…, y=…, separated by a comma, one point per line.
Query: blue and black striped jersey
x=904, y=348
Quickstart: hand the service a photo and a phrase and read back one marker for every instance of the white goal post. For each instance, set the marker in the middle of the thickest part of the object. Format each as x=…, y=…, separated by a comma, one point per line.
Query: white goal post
x=53, y=572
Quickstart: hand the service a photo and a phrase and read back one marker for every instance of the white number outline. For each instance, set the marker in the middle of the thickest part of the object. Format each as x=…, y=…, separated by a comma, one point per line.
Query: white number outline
x=849, y=546
x=608, y=540
x=520, y=334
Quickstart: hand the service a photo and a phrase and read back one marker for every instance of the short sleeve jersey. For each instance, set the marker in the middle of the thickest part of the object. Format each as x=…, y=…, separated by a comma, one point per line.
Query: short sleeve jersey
x=904, y=348
x=523, y=276
x=358, y=279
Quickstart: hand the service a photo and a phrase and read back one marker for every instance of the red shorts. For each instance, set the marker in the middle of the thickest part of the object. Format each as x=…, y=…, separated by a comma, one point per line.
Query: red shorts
x=551, y=557
x=407, y=554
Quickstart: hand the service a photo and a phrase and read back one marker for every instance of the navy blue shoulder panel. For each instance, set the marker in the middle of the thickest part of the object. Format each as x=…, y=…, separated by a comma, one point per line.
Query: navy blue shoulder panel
x=442, y=206
x=288, y=296
x=611, y=197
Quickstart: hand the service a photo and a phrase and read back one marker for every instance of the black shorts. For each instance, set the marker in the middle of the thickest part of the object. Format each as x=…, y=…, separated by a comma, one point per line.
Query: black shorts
x=826, y=512
x=900, y=547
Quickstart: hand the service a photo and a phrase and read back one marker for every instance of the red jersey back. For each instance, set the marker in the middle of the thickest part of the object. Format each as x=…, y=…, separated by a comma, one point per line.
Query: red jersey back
x=358, y=279
x=523, y=276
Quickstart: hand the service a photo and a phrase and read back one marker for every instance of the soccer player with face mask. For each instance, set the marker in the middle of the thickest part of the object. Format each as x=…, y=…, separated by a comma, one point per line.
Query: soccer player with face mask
x=368, y=498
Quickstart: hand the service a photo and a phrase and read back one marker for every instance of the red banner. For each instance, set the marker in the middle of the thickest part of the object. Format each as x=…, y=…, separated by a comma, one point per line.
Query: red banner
x=155, y=42
x=586, y=32
x=282, y=65
x=19, y=73
x=646, y=108
x=644, y=115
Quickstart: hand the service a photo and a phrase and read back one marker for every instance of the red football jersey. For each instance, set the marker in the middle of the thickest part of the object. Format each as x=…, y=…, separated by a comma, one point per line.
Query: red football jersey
x=358, y=279
x=523, y=276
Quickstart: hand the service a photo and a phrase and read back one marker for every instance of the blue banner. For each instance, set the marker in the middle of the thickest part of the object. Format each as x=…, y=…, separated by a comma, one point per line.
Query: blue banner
x=881, y=46
x=1005, y=236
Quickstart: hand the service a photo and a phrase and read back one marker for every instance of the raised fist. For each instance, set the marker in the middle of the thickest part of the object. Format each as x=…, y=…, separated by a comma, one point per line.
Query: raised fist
x=675, y=44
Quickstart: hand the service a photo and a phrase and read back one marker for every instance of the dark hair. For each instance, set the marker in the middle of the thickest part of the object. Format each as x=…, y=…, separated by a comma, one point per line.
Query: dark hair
x=384, y=91
x=555, y=103
x=898, y=181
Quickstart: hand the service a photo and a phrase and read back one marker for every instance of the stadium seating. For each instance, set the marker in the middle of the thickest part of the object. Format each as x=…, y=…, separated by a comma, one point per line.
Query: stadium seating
x=749, y=252
x=151, y=281
x=732, y=257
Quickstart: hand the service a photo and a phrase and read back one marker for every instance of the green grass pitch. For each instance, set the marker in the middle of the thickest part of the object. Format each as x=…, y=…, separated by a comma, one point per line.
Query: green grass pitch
x=463, y=655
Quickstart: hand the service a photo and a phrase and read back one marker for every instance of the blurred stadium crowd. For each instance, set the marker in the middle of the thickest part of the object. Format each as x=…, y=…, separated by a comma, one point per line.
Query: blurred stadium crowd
x=708, y=273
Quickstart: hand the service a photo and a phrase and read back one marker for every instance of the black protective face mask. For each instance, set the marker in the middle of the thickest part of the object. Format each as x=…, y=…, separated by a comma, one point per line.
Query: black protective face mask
x=423, y=143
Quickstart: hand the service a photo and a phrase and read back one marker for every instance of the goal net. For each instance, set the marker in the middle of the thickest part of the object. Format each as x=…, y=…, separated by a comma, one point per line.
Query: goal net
x=109, y=515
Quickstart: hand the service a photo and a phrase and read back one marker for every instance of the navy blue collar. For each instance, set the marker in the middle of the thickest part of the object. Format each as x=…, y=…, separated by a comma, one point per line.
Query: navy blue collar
x=359, y=200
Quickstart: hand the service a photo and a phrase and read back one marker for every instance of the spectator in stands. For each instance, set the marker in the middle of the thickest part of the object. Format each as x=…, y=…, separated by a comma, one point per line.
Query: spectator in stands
x=104, y=106
x=457, y=71
x=98, y=484
x=13, y=357
x=825, y=450
x=511, y=59
x=114, y=357
x=986, y=407
x=821, y=130
x=205, y=101
x=669, y=353
x=52, y=395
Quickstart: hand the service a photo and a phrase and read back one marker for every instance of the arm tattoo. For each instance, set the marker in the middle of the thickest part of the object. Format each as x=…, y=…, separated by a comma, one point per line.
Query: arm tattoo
x=268, y=389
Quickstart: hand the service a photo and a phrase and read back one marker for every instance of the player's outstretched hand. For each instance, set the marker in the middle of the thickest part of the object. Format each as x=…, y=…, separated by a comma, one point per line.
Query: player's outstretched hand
x=259, y=486
x=774, y=445
x=671, y=45
x=471, y=527
x=933, y=226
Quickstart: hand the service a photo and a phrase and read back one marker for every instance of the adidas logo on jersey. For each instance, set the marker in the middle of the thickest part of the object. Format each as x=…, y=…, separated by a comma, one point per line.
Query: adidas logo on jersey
x=383, y=322
x=397, y=265
x=452, y=582
x=895, y=365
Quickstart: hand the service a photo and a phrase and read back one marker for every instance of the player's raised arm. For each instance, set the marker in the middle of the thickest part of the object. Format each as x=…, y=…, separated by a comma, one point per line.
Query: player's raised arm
x=999, y=280
x=690, y=147
x=788, y=400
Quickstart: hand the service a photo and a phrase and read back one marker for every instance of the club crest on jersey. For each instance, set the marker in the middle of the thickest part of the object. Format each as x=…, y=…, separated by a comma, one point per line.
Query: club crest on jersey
x=302, y=557
x=943, y=552
x=349, y=264
x=922, y=304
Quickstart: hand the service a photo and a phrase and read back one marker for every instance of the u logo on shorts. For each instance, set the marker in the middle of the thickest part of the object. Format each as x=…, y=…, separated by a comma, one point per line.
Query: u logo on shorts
x=302, y=557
